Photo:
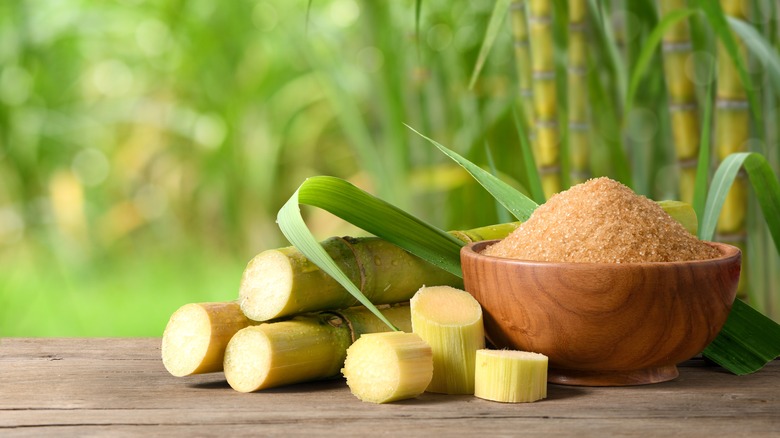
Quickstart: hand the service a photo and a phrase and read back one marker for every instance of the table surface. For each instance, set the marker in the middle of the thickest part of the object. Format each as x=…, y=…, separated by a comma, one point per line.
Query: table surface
x=118, y=387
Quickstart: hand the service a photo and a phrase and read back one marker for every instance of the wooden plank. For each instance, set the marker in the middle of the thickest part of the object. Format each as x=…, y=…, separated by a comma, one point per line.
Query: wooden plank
x=98, y=386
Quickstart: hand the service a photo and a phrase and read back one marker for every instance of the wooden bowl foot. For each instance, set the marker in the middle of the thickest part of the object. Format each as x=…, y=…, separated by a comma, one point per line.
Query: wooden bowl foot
x=612, y=378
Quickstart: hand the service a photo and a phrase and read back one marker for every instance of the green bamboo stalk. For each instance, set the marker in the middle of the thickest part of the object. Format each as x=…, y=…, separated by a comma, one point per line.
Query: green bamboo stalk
x=732, y=131
x=305, y=348
x=683, y=109
x=579, y=123
x=540, y=20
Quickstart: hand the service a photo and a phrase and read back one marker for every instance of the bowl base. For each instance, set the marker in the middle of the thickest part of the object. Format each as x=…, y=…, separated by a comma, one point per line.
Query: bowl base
x=644, y=376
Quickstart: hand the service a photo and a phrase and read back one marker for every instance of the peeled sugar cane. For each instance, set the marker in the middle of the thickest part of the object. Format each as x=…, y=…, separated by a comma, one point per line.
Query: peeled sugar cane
x=510, y=376
x=450, y=321
x=386, y=367
x=196, y=335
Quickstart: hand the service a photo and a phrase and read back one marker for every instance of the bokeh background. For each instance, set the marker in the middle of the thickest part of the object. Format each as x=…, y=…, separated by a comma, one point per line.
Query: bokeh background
x=146, y=146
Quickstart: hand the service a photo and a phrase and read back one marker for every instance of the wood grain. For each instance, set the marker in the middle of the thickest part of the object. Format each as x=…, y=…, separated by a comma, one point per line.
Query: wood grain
x=119, y=387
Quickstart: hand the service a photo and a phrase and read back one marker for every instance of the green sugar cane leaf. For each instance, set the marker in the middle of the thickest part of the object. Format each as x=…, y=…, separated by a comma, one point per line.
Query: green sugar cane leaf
x=517, y=203
x=494, y=27
x=747, y=342
x=760, y=48
x=599, y=10
x=501, y=213
x=531, y=171
x=720, y=25
x=749, y=339
x=648, y=50
x=703, y=165
x=359, y=208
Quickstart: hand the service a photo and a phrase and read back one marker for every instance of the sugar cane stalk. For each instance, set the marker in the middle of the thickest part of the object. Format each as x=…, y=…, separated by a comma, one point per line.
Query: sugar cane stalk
x=540, y=22
x=579, y=124
x=305, y=348
x=523, y=66
x=682, y=98
x=732, y=131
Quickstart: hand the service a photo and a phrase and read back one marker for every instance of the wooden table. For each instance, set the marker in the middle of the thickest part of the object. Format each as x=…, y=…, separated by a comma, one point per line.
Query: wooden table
x=118, y=387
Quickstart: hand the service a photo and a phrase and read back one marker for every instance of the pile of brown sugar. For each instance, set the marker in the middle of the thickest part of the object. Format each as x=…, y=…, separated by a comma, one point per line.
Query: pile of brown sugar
x=601, y=221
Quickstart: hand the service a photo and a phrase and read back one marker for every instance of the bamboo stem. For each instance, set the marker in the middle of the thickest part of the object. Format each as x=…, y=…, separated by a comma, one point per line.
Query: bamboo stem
x=304, y=348
x=579, y=122
x=677, y=50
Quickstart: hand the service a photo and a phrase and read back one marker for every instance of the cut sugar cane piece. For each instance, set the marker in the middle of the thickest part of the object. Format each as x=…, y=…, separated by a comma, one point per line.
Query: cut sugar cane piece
x=195, y=338
x=304, y=348
x=283, y=282
x=386, y=367
x=510, y=376
x=450, y=321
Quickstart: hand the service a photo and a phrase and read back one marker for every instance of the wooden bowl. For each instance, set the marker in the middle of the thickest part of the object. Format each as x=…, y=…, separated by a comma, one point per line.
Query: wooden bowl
x=604, y=324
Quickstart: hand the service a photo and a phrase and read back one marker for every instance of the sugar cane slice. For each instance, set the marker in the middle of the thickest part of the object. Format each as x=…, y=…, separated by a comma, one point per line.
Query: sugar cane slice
x=387, y=367
x=304, y=348
x=510, y=376
x=450, y=321
x=196, y=335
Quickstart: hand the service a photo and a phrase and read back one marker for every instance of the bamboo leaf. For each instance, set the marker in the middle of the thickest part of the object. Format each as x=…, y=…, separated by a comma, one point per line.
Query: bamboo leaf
x=493, y=28
x=517, y=203
x=648, y=50
x=703, y=165
x=531, y=171
x=717, y=19
x=359, y=208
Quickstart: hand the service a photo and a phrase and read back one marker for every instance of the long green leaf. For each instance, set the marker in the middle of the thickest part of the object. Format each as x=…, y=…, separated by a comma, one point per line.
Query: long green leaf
x=501, y=213
x=531, y=171
x=717, y=19
x=517, y=203
x=760, y=48
x=648, y=50
x=493, y=28
x=371, y=214
x=747, y=342
x=749, y=339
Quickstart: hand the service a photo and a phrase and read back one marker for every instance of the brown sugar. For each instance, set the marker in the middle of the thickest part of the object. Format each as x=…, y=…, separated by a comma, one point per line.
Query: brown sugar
x=601, y=221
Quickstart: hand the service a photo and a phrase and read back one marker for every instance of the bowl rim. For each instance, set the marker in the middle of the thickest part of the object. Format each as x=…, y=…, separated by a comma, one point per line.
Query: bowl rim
x=728, y=253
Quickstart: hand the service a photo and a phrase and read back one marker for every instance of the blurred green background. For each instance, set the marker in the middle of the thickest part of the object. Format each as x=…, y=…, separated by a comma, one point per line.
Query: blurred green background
x=146, y=147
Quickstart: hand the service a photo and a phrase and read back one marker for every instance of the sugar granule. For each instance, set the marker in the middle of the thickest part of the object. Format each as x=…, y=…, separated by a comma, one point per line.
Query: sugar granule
x=601, y=221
